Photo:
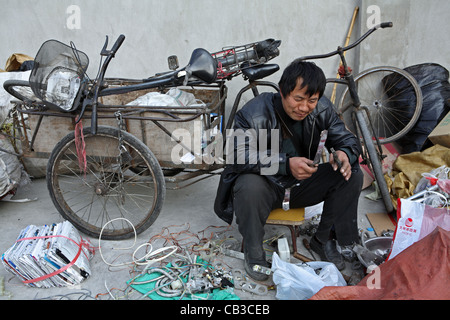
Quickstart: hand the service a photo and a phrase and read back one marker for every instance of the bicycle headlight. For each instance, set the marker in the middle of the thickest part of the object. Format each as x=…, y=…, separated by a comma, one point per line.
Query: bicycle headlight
x=62, y=88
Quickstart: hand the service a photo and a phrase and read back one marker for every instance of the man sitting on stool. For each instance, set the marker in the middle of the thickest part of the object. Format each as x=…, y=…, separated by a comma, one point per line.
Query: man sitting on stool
x=251, y=186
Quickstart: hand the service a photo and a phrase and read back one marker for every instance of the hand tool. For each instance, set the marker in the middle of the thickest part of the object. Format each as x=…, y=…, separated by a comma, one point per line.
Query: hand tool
x=306, y=244
x=301, y=257
x=336, y=159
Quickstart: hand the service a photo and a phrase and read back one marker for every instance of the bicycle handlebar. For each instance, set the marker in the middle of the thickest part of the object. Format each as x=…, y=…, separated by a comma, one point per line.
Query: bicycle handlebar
x=351, y=46
x=114, y=48
x=117, y=44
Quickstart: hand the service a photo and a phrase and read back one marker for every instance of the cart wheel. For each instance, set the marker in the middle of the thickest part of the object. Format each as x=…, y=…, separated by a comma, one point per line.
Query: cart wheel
x=117, y=193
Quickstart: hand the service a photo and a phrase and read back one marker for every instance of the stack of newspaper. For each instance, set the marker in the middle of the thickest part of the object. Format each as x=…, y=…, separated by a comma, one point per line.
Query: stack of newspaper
x=45, y=251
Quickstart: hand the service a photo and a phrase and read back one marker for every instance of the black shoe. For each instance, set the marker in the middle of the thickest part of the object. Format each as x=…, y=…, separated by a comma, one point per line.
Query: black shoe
x=255, y=275
x=328, y=252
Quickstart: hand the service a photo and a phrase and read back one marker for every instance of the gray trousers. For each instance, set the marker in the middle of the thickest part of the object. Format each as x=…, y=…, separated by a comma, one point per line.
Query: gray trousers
x=255, y=197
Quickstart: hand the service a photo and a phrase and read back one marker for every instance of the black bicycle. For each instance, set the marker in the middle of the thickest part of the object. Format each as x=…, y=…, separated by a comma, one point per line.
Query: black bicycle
x=107, y=178
x=379, y=105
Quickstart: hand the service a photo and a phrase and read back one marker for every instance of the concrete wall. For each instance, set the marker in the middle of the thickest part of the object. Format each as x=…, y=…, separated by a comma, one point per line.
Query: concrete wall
x=155, y=29
x=420, y=33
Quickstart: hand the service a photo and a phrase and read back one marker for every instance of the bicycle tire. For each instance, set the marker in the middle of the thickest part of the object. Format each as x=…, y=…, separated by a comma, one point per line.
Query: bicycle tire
x=21, y=90
x=392, y=113
x=93, y=201
x=374, y=158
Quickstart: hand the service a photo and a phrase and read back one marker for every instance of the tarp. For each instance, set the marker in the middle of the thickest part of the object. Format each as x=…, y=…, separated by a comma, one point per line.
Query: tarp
x=420, y=272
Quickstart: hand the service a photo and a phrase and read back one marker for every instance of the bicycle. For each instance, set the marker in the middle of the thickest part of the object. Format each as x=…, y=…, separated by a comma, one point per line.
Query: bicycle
x=371, y=110
x=99, y=175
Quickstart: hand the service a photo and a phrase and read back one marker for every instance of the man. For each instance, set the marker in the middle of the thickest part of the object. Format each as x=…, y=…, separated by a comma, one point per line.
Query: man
x=298, y=113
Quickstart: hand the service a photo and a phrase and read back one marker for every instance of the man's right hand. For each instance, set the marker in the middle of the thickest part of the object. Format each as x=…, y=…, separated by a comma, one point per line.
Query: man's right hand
x=302, y=168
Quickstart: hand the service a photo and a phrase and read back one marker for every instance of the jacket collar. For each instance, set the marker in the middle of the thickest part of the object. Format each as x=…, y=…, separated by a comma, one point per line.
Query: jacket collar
x=285, y=121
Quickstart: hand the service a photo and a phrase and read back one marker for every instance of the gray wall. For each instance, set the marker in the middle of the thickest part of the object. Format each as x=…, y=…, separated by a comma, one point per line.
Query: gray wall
x=156, y=29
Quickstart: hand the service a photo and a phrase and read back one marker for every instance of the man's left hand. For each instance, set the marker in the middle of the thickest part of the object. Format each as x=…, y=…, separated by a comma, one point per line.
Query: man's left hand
x=346, y=168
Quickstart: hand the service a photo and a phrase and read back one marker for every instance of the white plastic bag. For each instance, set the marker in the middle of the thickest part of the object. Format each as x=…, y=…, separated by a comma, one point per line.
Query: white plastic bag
x=154, y=99
x=174, y=97
x=415, y=221
x=182, y=98
x=300, y=281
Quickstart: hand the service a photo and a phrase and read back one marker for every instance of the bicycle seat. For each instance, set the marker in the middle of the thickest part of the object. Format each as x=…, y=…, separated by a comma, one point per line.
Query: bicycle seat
x=202, y=65
x=260, y=71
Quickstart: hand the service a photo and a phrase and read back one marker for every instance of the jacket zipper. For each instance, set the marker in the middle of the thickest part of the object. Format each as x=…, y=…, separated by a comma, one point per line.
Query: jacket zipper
x=312, y=136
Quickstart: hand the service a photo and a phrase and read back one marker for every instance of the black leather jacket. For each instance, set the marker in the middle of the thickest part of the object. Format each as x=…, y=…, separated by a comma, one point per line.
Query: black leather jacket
x=259, y=113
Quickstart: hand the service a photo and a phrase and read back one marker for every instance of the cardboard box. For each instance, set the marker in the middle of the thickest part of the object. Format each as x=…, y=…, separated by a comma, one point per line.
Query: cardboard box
x=441, y=133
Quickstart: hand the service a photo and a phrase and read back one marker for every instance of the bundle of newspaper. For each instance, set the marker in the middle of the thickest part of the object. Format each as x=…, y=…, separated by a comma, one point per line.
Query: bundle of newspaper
x=49, y=256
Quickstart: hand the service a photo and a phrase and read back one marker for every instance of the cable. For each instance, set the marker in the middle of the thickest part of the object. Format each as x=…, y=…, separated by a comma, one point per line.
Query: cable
x=100, y=247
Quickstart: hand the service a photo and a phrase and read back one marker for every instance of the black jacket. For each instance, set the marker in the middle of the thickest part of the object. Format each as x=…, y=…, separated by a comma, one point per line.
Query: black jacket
x=259, y=113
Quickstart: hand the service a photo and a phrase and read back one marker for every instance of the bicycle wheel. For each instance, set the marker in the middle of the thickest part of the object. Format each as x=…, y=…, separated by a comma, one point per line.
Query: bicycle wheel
x=113, y=187
x=21, y=90
x=374, y=158
x=394, y=100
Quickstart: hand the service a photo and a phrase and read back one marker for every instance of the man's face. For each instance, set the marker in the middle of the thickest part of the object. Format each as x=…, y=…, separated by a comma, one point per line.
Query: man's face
x=298, y=104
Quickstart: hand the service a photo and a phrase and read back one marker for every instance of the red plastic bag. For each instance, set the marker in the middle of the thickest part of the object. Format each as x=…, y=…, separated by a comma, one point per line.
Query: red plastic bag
x=415, y=221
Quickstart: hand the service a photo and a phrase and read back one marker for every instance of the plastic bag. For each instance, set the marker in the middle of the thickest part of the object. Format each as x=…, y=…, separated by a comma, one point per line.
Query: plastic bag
x=432, y=79
x=182, y=98
x=430, y=178
x=301, y=281
x=416, y=220
x=174, y=97
x=154, y=99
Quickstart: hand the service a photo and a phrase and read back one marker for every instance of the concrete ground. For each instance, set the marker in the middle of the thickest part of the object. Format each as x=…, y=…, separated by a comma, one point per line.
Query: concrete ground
x=187, y=211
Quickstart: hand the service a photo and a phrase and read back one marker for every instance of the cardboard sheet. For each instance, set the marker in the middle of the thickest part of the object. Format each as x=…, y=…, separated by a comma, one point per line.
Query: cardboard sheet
x=380, y=222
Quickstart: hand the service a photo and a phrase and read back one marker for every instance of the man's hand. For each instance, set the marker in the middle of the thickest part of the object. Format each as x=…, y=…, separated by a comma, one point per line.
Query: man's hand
x=302, y=168
x=346, y=168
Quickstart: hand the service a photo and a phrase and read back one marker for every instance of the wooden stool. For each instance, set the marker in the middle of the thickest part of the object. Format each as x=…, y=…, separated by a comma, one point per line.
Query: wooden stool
x=293, y=219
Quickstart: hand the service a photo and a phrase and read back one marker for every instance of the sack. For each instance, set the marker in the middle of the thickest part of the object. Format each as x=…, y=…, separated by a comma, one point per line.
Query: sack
x=415, y=221
x=301, y=281
x=432, y=79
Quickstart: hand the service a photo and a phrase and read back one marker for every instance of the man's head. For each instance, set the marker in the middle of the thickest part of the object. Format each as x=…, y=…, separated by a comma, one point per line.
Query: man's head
x=301, y=86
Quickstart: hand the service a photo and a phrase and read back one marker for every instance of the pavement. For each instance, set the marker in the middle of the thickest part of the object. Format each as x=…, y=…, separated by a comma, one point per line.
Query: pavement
x=187, y=213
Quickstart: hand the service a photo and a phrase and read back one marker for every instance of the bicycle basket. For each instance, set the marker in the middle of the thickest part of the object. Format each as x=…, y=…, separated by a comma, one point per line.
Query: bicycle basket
x=232, y=60
x=58, y=74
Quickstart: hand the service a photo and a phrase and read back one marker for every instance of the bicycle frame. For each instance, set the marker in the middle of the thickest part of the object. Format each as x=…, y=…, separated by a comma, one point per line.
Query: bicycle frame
x=202, y=68
x=348, y=78
x=358, y=117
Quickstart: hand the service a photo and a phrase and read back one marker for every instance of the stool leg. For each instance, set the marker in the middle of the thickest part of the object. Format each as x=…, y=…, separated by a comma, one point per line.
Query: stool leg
x=294, y=238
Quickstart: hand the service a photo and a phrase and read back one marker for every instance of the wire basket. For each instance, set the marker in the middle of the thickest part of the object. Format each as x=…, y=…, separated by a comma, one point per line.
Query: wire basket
x=232, y=60
x=58, y=74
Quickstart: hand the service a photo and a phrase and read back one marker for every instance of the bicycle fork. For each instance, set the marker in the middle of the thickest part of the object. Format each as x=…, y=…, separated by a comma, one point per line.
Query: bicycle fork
x=358, y=120
x=375, y=158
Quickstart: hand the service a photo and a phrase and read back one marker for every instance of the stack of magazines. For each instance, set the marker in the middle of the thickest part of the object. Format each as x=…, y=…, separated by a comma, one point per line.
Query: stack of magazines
x=40, y=254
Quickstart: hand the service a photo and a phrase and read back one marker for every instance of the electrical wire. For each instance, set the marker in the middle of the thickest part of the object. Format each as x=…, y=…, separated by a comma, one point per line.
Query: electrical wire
x=178, y=277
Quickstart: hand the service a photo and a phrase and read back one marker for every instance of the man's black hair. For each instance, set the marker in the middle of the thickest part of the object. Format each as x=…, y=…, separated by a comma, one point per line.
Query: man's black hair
x=313, y=78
